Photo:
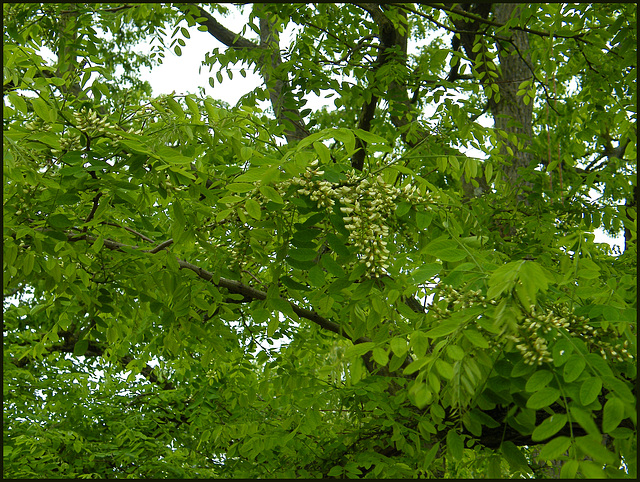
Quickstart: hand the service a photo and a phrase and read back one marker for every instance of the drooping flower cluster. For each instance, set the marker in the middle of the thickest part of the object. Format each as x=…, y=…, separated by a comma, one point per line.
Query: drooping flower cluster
x=459, y=300
x=529, y=337
x=530, y=343
x=318, y=190
x=365, y=207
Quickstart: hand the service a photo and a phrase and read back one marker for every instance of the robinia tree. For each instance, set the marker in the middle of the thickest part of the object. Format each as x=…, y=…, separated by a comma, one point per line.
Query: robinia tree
x=403, y=283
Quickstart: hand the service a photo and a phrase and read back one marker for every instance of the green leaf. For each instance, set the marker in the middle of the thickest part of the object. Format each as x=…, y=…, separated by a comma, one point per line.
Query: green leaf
x=455, y=352
x=362, y=289
x=514, y=456
x=80, y=348
x=380, y=356
x=444, y=328
x=574, y=367
x=175, y=107
x=584, y=419
x=59, y=221
x=454, y=444
x=555, y=448
x=359, y=349
x=271, y=194
x=543, y=398
x=43, y=110
x=273, y=325
x=399, y=346
x=425, y=272
x=592, y=446
x=590, y=390
x=613, y=414
x=444, y=369
x=476, y=338
x=253, y=208
x=240, y=187
x=538, y=380
x=331, y=266
x=178, y=214
x=303, y=254
x=549, y=427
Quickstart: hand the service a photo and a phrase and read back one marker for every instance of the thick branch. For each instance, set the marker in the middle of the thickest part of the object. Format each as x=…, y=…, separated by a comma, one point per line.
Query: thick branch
x=219, y=31
x=232, y=286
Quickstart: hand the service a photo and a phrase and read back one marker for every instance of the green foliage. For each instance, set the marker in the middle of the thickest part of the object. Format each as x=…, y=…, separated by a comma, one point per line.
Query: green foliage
x=194, y=289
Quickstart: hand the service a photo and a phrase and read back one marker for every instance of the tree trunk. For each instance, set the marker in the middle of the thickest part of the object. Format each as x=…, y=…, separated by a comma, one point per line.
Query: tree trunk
x=510, y=113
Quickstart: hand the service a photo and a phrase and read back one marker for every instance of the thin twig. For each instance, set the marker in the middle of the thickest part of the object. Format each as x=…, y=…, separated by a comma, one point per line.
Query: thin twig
x=130, y=230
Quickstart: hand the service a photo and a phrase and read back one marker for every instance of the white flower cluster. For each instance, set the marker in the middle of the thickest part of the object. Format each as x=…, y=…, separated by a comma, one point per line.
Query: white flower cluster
x=365, y=207
x=320, y=191
x=534, y=347
x=37, y=125
x=88, y=121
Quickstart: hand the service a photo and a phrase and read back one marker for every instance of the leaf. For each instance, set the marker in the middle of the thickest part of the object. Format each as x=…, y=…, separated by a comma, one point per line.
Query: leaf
x=271, y=194
x=303, y=254
x=43, y=110
x=80, y=348
x=178, y=213
x=538, y=380
x=331, y=266
x=514, y=456
x=555, y=448
x=543, y=398
x=475, y=337
x=444, y=369
x=455, y=352
x=425, y=272
x=175, y=107
x=444, y=328
x=273, y=325
x=454, y=444
x=590, y=390
x=253, y=208
x=549, y=427
x=399, y=346
x=613, y=414
x=359, y=349
x=431, y=454
x=240, y=187
x=362, y=289
x=423, y=395
x=592, y=446
x=574, y=367
x=584, y=419
x=380, y=356
x=59, y=221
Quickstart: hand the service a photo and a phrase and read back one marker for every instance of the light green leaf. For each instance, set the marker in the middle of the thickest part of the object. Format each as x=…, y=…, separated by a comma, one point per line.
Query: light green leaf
x=613, y=414
x=549, y=427
x=454, y=444
x=590, y=390
x=538, y=380
x=543, y=398
x=574, y=367
x=380, y=356
x=359, y=349
x=271, y=194
x=555, y=448
x=253, y=208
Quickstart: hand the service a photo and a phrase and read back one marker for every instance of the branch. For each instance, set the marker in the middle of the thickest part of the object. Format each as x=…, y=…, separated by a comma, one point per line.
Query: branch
x=219, y=31
x=232, y=286
x=148, y=240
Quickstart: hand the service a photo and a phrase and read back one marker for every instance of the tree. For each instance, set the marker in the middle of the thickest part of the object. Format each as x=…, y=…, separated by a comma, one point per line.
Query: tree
x=194, y=289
